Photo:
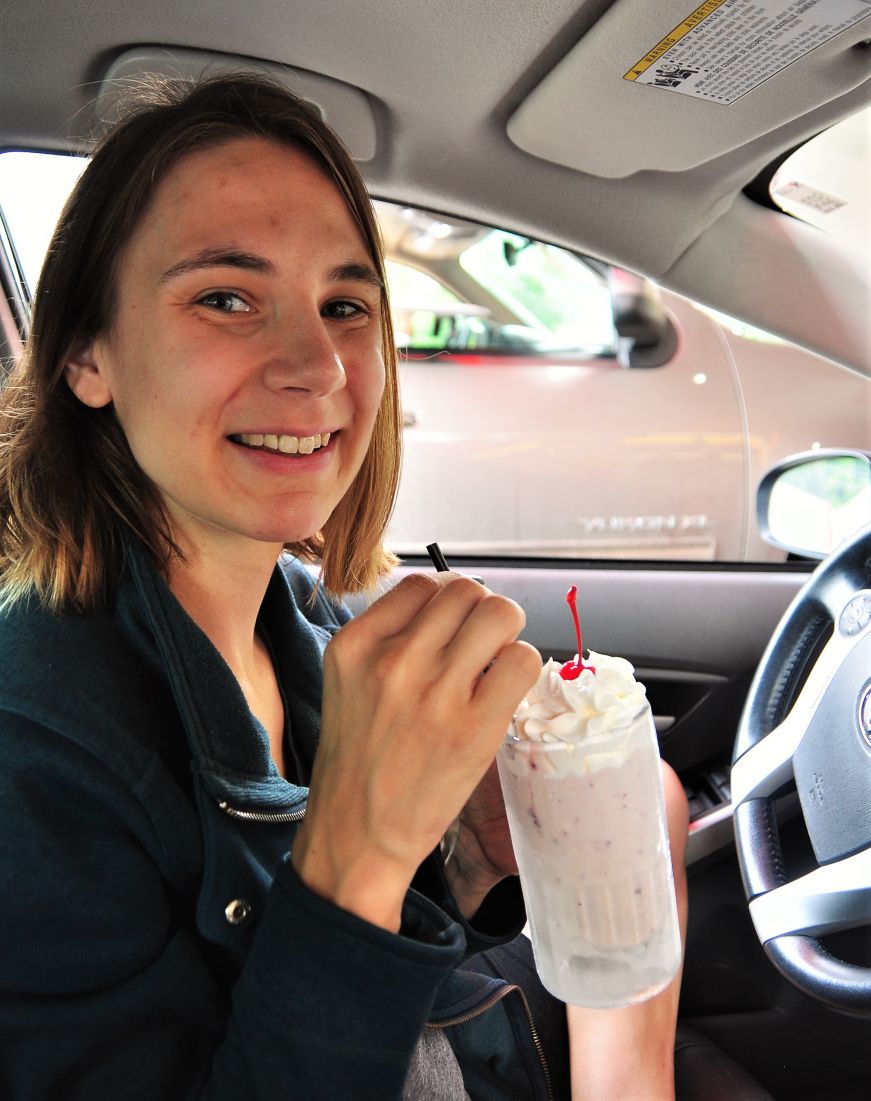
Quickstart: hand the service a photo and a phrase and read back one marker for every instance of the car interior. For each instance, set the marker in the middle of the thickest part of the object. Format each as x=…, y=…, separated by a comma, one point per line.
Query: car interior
x=643, y=138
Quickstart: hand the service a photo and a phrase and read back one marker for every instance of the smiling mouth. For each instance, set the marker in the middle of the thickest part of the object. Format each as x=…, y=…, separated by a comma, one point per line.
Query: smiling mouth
x=284, y=445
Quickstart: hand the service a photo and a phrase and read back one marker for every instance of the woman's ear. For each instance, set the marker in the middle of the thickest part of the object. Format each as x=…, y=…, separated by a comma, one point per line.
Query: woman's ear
x=85, y=376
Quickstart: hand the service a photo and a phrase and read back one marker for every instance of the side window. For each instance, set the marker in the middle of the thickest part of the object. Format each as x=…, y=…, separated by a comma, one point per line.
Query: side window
x=523, y=432
x=33, y=190
x=525, y=436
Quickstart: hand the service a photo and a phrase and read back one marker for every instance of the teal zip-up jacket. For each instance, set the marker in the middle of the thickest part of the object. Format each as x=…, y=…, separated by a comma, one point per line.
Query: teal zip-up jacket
x=156, y=941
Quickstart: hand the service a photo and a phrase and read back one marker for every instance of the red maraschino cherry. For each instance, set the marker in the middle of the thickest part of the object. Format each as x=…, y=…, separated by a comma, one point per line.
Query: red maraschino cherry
x=571, y=670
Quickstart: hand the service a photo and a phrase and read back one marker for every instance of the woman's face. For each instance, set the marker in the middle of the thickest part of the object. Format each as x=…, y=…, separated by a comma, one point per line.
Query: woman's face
x=244, y=357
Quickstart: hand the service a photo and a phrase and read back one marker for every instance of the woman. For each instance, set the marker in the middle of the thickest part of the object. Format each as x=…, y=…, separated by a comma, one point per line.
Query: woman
x=211, y=379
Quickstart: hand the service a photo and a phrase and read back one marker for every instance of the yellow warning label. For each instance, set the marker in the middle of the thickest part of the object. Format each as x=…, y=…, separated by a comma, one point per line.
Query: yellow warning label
x=727, y=48
x=672, y=37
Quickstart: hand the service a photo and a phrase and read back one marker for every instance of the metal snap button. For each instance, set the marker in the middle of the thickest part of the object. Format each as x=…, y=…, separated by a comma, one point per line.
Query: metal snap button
x=237, y=911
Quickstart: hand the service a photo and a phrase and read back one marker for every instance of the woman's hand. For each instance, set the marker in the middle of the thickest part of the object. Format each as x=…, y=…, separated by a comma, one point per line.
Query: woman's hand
x=409, y=728
x=479, y=853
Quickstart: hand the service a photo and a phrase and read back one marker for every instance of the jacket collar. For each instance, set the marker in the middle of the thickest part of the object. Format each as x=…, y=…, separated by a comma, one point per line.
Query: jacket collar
x=229, y=748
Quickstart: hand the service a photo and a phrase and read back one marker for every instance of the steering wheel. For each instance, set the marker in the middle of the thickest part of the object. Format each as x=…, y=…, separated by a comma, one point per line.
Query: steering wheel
x=807, y=720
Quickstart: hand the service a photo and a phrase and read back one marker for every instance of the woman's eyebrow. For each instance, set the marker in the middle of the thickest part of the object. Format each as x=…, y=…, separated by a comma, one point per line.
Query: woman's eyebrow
x=354, y=272
x=219, y=258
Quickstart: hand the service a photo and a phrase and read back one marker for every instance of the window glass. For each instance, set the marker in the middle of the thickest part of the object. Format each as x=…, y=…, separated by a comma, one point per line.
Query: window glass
x=553, y=292
x=33, y=190
x=459, y=287
x=523, y=433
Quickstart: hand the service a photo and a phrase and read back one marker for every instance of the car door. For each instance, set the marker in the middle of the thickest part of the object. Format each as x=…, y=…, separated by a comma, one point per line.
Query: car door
x=695, y=633
x=536, y=475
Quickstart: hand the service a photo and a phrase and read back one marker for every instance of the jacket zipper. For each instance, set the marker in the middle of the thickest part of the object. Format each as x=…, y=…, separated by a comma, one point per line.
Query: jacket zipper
x=262, y=815
x=488, y=1003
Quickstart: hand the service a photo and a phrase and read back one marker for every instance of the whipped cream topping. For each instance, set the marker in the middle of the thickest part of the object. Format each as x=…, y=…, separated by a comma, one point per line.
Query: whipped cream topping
x=594, y=704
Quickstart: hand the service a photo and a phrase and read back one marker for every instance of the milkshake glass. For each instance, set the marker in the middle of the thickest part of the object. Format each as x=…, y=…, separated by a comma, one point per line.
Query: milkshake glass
x=587, y=820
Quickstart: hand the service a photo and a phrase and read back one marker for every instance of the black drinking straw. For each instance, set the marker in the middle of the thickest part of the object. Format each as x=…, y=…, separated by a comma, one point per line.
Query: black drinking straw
x=438, y=559
x=449, y=841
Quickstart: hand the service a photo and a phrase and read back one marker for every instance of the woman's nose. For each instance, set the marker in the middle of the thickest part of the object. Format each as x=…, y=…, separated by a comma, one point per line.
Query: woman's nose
x=306, y=359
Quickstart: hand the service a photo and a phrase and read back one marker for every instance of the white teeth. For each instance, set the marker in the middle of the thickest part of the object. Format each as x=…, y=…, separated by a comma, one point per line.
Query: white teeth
x=289, y=445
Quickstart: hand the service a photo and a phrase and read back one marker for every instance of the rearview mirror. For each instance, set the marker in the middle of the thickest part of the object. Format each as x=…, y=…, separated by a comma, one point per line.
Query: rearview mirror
x=810, y=503
x=646, y=336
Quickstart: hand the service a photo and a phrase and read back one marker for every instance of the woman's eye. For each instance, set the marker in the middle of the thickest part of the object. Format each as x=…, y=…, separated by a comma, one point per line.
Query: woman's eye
x=224, y=302
x=343, y=310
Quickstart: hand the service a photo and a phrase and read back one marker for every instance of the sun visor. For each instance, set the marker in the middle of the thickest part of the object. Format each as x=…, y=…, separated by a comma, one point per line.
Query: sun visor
x=668, y=87
x=347, y=109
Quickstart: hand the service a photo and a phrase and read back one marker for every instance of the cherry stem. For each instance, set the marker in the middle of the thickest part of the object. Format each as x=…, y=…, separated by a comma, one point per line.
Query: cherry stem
x=571, y=670
x=572, y=601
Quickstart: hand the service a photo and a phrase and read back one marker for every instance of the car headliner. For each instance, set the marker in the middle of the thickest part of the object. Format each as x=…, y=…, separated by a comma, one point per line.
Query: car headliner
x=443, y=84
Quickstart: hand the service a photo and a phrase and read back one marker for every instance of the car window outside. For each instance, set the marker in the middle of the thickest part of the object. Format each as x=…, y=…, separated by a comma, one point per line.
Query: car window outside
x=523, y=435
x=459, y=287
x=553, y=291
x=33, y=190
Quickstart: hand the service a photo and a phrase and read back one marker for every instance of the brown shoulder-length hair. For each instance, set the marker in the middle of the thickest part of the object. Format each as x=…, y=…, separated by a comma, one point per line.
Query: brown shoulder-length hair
x=70, y=488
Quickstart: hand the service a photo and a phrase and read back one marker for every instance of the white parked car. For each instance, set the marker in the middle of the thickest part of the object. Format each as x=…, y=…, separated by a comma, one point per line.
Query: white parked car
x=555, y=405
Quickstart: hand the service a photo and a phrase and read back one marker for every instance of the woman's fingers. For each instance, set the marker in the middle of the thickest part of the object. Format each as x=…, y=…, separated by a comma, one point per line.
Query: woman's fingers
x=431, y=637
x=403, y=603
x=443, y=626
x=409, y=725
x=452, y=600
x=510, y=676
x=464, y=624
x=492, y=623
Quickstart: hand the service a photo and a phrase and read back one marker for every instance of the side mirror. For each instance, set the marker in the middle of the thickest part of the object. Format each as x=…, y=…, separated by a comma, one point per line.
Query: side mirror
x=646, y=336
x=810, y=503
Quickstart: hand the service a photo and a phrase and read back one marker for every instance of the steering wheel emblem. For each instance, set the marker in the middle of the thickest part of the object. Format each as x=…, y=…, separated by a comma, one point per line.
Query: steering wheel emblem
x=864, y=714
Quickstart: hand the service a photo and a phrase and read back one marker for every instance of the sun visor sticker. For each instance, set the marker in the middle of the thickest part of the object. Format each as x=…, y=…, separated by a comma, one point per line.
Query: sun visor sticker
x=711, y=58
x=726, y=48
x=346, y=108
